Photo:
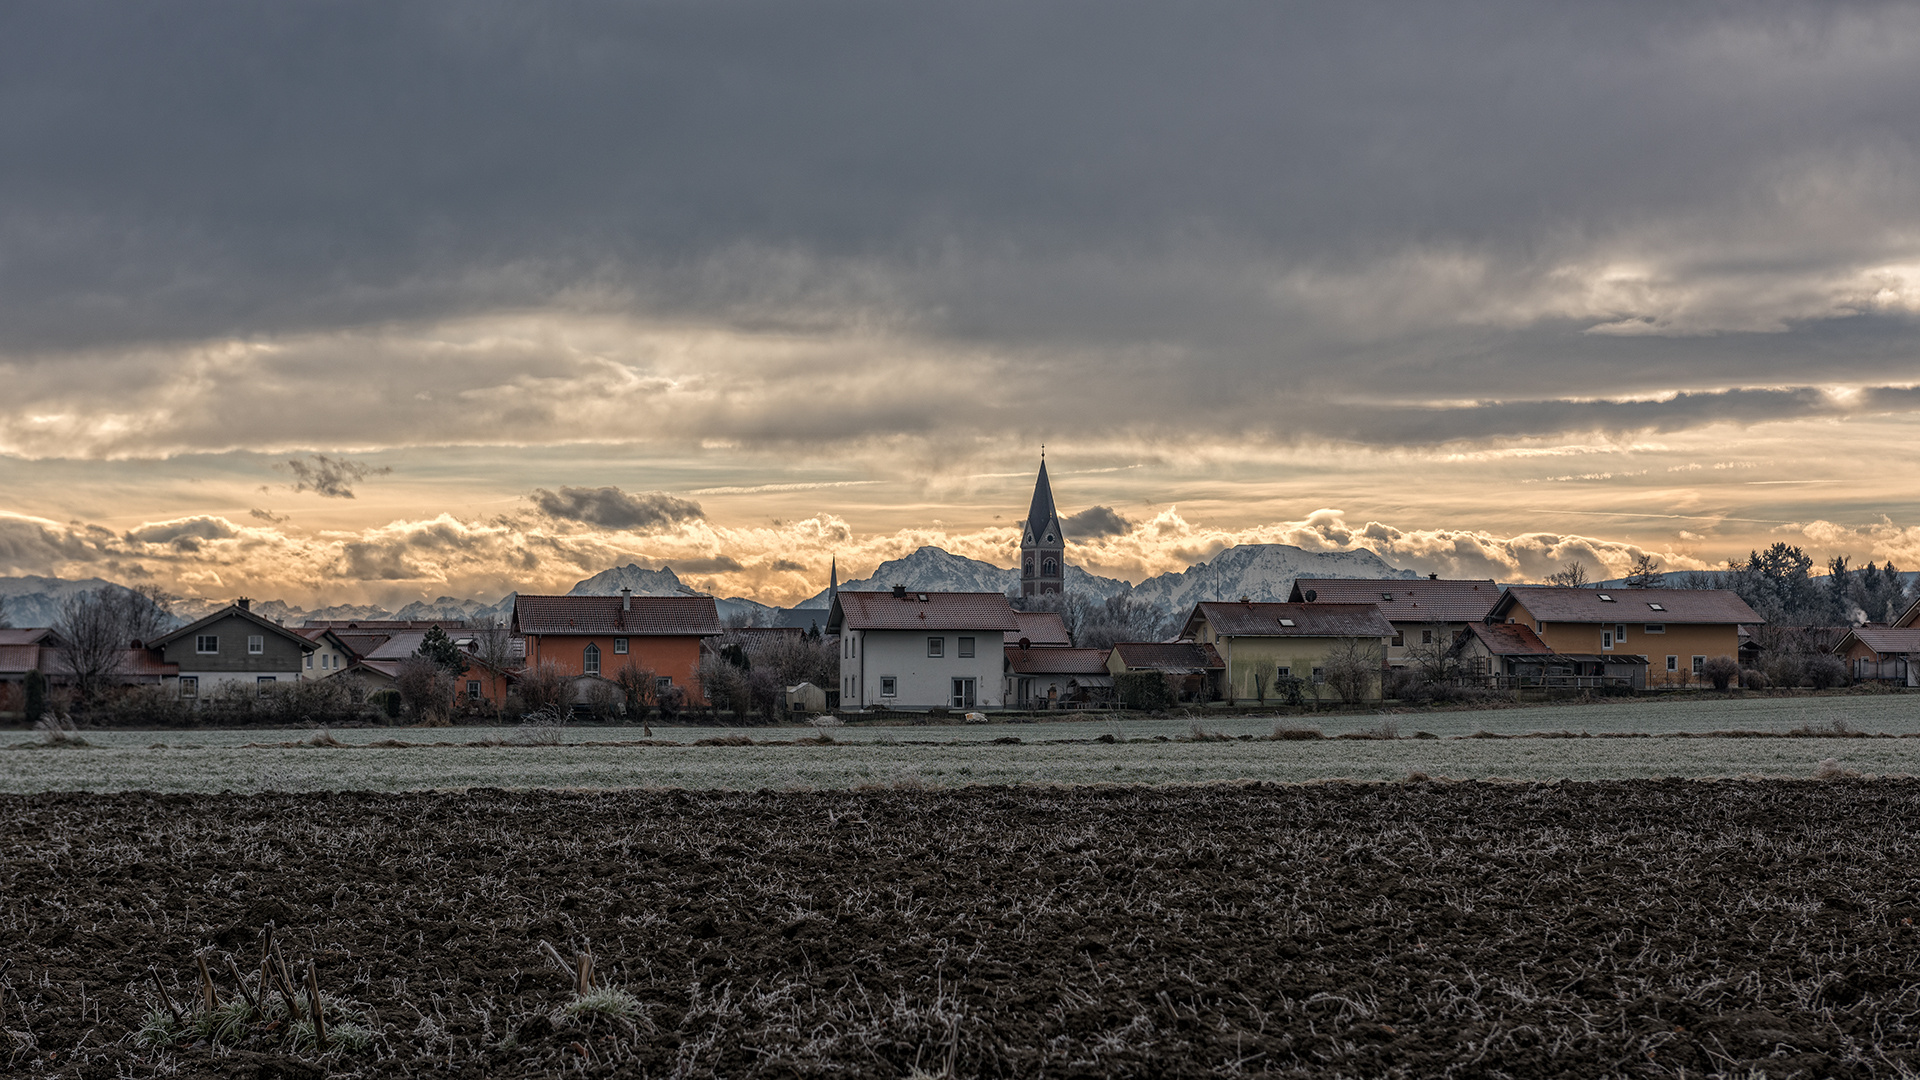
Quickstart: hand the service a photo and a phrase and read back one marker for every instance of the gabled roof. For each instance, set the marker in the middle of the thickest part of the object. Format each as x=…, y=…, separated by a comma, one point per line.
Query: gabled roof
x=1884, y=640
x=649, y=616
x=231, y=611
x=1908, y=617
x=20, y=659
x=1042, y=630
x=1401, y=601
x=1178, y=657
x=29, y=635
x=1057, y=661
x=1561, y=604
x=1289, y=620
x=384, y=625
x=359, y=644
x=1509, y=639
x=921, y=611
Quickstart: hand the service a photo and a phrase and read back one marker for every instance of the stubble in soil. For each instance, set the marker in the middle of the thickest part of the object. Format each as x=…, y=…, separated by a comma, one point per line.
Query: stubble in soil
x=1641, y=928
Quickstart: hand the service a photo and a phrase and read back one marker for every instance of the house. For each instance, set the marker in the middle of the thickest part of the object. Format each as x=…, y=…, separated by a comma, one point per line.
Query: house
x=1039, y=630
x=331, y=653
x=1048, y=677
x=1285, y=639
x=1426, y=615
x=917, y=650
x=1511, y=654
x=600, y=635
x=1882, y=653
x=1677, y=630
x=806, y=699
x=229, y=646
x=1195, y=669
x=23, y=650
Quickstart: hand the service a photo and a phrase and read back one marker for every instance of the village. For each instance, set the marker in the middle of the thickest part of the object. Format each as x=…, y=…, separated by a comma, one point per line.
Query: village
x=1334, y=642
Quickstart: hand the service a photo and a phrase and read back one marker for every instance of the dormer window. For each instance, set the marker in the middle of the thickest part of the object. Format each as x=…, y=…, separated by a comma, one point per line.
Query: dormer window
x=1605, y=599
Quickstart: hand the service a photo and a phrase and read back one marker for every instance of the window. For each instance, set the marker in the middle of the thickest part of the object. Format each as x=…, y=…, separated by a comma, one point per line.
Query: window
x=206, y=644
x=1620, y=632
x=620, y=646
x=963, y=693
x=1386, y=596
x=662, y=682
x=590, y=659
x=1606, y=639
x=1698, y=662
x=1049, y=538
x=889, y=686
x=1049, y=568
x=265, y=684
x=1283, y=672
x=1399, y=638
x=1026, y=567
x=1673, y=663
x=1605, y=599
x=1319, y=675
x=308, y=662
x=1426, y=637
x=965, y=647
x=1655, y=606
x=473, y=688
x=1654, y=628
x=936, y=646
x=256, y=644
x=1286, y=622
x=189, y=686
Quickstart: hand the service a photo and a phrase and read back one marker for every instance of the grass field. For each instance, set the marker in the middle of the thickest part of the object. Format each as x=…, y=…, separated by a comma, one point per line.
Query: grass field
x=1134, y=752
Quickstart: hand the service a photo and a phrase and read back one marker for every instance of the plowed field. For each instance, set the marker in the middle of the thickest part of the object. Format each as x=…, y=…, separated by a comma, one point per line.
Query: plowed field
x=1638, y=928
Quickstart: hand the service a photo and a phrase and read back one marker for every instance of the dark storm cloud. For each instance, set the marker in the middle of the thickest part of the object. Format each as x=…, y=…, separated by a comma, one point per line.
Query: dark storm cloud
x=1095, y=521
x=611, y=508
x=331, y=477
x=1275, y=202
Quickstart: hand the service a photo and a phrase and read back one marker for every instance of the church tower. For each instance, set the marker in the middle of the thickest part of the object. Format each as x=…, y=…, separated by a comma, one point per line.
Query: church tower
x=1043, y=545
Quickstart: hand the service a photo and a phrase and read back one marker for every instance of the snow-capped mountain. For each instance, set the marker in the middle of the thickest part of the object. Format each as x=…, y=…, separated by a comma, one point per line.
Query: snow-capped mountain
x=662, y=582
x=1258, y=572
x=35, y=601
x=932, y=569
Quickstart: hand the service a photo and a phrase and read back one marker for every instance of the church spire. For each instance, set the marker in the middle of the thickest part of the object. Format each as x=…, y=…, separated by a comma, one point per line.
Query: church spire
x=1043, y=544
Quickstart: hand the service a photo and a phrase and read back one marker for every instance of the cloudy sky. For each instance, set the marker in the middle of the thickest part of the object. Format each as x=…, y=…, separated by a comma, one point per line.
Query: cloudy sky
x=374, y=301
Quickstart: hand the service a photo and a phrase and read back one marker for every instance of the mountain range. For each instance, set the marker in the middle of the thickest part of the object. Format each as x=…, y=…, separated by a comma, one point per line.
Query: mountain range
x=1256, y=571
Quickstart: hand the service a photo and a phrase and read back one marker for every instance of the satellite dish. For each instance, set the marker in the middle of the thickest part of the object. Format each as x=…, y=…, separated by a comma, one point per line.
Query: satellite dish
x=1310, y=595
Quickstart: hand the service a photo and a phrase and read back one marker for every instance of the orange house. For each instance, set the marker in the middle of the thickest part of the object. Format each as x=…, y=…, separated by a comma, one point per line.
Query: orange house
x=599, y=635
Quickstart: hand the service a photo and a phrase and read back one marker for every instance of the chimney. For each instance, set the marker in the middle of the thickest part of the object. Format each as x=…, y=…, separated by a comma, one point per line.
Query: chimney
x=626, y=598
x=1433, y=577
x=245, y=603
x=899, y=592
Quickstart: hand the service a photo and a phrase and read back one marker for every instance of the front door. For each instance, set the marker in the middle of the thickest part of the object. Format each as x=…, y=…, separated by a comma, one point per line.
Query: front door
x=963, y=695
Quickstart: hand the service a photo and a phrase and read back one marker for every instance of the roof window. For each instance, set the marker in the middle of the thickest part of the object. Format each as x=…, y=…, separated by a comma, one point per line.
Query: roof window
x=1605, y=599
x=1656, y=607
x=1286, y=622
x=923, y=597
x=1386, y=596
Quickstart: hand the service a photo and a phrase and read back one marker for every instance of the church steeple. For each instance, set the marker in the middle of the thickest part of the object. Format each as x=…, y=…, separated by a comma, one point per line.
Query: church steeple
x=833, y=581
x=1043, y=544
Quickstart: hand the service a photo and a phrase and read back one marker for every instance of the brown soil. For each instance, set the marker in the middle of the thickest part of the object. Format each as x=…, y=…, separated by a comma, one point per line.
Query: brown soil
x=1624, y=928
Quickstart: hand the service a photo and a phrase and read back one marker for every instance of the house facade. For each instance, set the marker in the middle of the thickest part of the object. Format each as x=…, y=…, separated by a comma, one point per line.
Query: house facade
x=1287, y=639
x=1676, y=630
x=600, y=635
x=917, y=650
x=331, y=654
x=1426, y=615
x=1511, y=655
x=1052, y=677
x=1196, y=671
x=231, y=646
x=1882, y=654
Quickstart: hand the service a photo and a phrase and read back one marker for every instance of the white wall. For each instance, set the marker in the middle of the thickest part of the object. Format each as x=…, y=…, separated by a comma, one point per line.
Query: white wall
x=922, y=681
x=213, y=680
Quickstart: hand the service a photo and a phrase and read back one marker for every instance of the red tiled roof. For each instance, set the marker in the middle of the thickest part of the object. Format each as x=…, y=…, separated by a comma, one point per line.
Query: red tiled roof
x=1168, y=656
x=234, y=611
x=1041, y=629
x=361, y=644
x=142, y=663
x=1569, y=605
x=1291, y=620
x=1057, y=661
x=1887, y=640
x=19, y=659
x=922, y=611
x=1406, y=601
x=661, y=616
x=384, y=624
x=25, y=635
x=1510, y=639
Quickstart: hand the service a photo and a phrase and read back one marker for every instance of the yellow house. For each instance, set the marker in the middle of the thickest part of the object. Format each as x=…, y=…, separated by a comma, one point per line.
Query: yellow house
x=1677, y=630
x=1294, y=639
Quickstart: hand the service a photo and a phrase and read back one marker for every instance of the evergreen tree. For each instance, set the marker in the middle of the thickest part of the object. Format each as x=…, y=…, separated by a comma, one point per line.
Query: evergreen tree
x=436, y=646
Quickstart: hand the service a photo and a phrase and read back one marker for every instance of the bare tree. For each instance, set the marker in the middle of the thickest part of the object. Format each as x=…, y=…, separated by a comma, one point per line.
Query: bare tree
x=1352, y=668
x=543, y=689
x=637, y=686
x=97, y=629
x=1645, y=573
x=493, y=643
x=1572, y=574
x=1433, y=655
x=1261, y=673
x=426, y=688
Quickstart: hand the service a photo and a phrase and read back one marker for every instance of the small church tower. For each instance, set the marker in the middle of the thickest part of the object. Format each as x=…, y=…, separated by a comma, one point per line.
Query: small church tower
x=1043, y=545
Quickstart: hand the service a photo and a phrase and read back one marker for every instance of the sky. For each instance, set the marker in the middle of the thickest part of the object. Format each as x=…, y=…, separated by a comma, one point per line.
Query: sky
x=364, y=302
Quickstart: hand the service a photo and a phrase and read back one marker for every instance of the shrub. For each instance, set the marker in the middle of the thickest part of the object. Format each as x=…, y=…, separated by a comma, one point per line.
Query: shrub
x=544, y=688
x=1753, y=679
x=1143, y=690
x=1720, y=671
x=36, y=690
x=1826, y=670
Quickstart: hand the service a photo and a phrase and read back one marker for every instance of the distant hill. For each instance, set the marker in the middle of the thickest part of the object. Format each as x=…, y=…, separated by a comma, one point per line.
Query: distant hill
x=1259, y=572
x=932, y=569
